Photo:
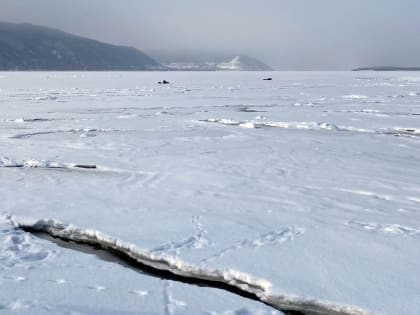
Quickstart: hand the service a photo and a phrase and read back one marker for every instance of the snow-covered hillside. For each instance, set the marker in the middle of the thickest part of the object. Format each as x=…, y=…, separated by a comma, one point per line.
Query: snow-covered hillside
x=30, y=47
x=302, y=192
x=199, y=62
x=243, y=63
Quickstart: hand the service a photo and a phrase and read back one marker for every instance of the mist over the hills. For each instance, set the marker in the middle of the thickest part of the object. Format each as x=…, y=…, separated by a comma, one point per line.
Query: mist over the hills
x=299, y=34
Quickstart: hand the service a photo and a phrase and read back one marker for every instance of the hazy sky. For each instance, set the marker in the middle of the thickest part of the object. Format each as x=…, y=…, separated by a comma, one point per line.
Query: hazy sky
x=287, y=34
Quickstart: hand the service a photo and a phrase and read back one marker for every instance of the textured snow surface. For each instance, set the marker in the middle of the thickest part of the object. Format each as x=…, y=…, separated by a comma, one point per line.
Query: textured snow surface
x=309, y=181
x=245, y=282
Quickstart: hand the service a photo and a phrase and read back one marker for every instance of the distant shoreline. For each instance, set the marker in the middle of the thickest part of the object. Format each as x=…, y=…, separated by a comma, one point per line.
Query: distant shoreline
x=388, y=69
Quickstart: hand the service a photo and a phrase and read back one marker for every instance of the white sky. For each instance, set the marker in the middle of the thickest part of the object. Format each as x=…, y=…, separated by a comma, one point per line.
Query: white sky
x=287, y=34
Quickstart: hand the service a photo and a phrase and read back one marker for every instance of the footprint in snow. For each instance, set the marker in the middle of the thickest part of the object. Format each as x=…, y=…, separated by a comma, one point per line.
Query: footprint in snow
x=58, y=281
x=98, y=288
x=140, y=293
x=21, y=249
x=15, y=278
x=391, y=229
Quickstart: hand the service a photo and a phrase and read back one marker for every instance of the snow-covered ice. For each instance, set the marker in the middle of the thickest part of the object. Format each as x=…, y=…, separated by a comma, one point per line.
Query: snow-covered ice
x=309, y=183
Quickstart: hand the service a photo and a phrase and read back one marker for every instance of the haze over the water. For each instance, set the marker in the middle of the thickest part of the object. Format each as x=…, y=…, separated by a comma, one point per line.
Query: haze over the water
x=287, y=34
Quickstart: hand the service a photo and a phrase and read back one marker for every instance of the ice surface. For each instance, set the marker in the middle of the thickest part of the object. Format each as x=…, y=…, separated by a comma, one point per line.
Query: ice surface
x=232, y=278
x=309, y=181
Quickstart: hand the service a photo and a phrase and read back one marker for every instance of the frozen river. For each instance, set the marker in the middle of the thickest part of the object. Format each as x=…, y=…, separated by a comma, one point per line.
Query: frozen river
x=304, y=190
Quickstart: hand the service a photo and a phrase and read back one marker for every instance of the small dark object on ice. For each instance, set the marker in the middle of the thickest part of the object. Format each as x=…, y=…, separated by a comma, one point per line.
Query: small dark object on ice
x=164, y=82
x=268, y=79
x=87, y=166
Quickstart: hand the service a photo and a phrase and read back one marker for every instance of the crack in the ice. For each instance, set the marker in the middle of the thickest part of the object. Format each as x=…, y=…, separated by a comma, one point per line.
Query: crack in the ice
x=373, y=112
x=318, y=126
x=85, y=131
x=171, y=268
x=10, y=163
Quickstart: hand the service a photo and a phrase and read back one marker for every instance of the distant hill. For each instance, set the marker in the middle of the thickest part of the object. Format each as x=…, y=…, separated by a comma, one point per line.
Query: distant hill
x=388, y=69
x=243, y=63
x=206, y=61
x=31, y=47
